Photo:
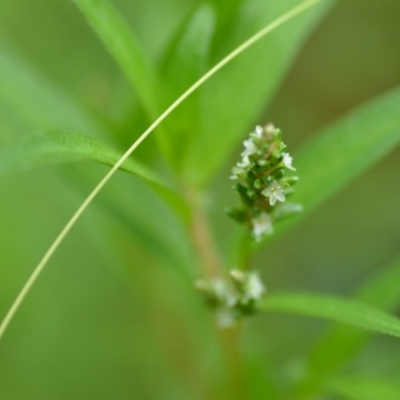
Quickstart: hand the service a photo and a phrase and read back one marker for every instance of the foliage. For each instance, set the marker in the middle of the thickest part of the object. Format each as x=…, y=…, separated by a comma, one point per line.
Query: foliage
x=143, y=331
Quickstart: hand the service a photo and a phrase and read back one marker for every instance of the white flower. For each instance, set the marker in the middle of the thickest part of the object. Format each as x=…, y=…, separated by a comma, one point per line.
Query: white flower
x=238, y=276
x=240, y=168
x=287, y=161
x=220, y=288
x=251, y=148
x=224, y=292
x=274, y=192
x=235, y=174
x=270, y=128
x=259, y=131
x=262, y=225
x=245, y=162
x=254, y=288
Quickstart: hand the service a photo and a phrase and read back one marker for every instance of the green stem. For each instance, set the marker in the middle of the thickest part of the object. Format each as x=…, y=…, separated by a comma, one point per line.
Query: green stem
x=230, y=340
x=245, y=252
x=212, y=268
x=201, y=236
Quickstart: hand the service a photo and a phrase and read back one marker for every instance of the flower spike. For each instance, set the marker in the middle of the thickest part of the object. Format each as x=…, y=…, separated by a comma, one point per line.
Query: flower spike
x=260, y=181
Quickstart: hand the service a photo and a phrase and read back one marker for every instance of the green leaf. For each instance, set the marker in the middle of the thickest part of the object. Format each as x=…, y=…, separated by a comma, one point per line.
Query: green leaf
x=341, y=343
x=350, y=312
x=144, y=211
x=139, y=211
x=347, y=148
x=58, y=147
x=362, y=388
x=226, y=12
x=186, y=61
x=334, y=158
x=343, y=151
x=382, y=289
x=121, y=43
x=29, y=101
x=232, y=100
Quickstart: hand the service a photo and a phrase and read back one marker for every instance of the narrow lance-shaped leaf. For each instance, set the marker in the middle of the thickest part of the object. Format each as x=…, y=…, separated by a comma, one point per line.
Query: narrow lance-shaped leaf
x=123, y=46
x=341, y=343
x=343, y=151
x=227, y=12
x=29, y=102
x=382, y=291
x=57, y=147
x=232, y=101
x=347, y=311
x=364, y=388
x=185, y=62
x=121, y=43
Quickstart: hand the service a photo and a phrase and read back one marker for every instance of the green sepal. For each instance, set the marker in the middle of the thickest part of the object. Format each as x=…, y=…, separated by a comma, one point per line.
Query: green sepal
x=279, y=174
x=258, y=184
x=243, y=194
x=238, y=214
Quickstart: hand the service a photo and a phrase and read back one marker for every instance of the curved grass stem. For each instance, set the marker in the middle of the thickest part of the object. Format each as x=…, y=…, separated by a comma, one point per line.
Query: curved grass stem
x=37, y=271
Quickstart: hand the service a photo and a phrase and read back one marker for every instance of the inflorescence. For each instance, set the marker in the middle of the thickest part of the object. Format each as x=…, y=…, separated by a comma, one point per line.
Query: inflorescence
x=234, y=298
x=263, y=188
x=261, y=182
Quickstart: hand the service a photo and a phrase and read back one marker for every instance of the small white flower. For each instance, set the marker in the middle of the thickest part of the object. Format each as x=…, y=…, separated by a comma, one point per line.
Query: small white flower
x=254, y=288
x=251, y=148
x=240, y=168
x=238, y=276
x=234, y=175
x=262, y=225
x=220, y=288
x=224, y=292
x=274, y=192
x=259, y=131
x=244, y=163
x=270, y=129
x=237, y=172
x=287, y=161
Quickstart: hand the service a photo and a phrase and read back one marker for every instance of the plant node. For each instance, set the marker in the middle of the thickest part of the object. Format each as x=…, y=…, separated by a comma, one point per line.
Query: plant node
x=234, y=297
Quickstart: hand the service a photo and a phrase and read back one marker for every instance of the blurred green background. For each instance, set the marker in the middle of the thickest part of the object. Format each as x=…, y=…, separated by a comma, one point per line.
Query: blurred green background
x=106, y=320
